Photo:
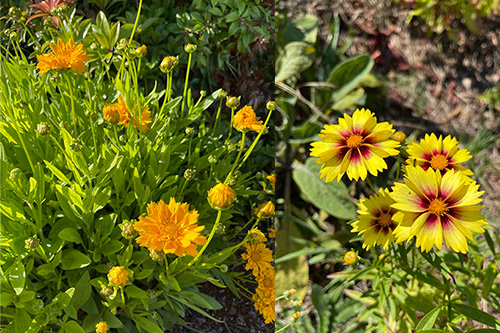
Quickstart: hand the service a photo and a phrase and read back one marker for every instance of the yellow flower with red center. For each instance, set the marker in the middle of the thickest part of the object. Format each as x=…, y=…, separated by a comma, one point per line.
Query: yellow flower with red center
x=101, y=327
x=221, y=196
x=356, y=145
x=258, y=257
x=375, y=221
x=438, y=154
x=63, y=56
x=170, y=228
x=245, y=120
x=264, y=211
x=272, y=178
x=434, y=206
x=118, y=276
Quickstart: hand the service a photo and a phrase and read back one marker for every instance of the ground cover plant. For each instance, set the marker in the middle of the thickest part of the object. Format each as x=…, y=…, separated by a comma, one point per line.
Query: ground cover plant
x=371, y=234
x=122, y=196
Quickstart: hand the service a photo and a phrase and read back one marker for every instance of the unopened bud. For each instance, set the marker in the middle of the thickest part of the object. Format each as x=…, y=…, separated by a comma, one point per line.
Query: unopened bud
x=270, y=105
x=233, y=102
x=43, y=129
x=190, y=48
x=156, y=255
x=222, y=94
x=168, y=63
x=189, y=174
x=128, y=230
x=190, y=131
x=141, y=50
x=76, y=145
x=212, y=159
x=106, y=291
x=31, y=243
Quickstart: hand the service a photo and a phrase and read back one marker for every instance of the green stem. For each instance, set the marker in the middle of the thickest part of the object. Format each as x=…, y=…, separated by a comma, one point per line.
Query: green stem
x=217, y=117
x=212, y=233
x=243, y=228
x=167, y=90
x=254, y=143
x=398, y=166
x=242, y=145
x=230, y=126
x=186, y=84
x=369, y=182
x=73, y=112
x=170, y=86
x=287, y=325
x=131, y=36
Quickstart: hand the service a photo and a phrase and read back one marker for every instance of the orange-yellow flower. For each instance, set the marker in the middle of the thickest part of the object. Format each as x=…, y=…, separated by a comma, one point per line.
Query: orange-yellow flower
x=438, y=154
x=221, y=196
x=125, y=115
x=145, y=121
x=356, y=145
x=272, y=232
x=246, y=120
x=272, y=178
x=257, y=236
x=111, y=113
x=263, y=298
x=65, y=55
x=118, y=276
x=434, y=206
x=264, y=211
x=258, y=257
x=172, y=228
x=101, y=327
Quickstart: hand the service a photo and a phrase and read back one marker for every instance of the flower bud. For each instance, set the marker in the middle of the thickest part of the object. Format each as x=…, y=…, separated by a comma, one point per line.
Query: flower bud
x=221, y=228
x=231, y=181
x=141, y=50
x=31, y=243
x=223, y=268
x=118, y=276
x=64, y=125
x=296, y=315
x=270, y=105
x=22, y=19
x=168, y=63
x=189, y=174
x=350, y=258
x=222, y=94
x=128, y=230
x=203, y=93
x=190, y=48
x=151, y=293
x=76, y=145
x=221, y=196
x=264, y=211
x=233, y=102
x=43, y=129
x=212, y=159
x=94, y=46
x=37, y=305
x=15, y=174
x=257, y=236
x=399, y=136
x=106, y=291
x=156, y=255
x=190, y=131
x=13, y=11
x=230, y=146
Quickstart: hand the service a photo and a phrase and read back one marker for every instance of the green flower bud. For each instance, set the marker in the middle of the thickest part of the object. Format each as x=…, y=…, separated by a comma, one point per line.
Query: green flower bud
x=212, y=159
x=231, y=181
x=151, y=293
x=270, y=105
x=189, y=174
x=223, y=268
x=15, y=174
x=222, y=94
x=13, y=11
x=156, y=255
x=230, y=146
x=31, y=243
x=203, y=93
x=37, y=305
x=221, y=228
x=233, y=102
x=55, y=77
x=128, y=230
x=190, y=131
x=43, y=129
x=76, y=145
x=190, y=48
x=106, y=291
x=168, y=63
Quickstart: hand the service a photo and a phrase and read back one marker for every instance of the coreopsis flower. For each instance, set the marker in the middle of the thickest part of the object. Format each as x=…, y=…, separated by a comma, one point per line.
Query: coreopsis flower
x=46, y=9
x=272, y=232
x=145, y=121
x=296, y=315
x=258, y=257
x=123, y=110
x=111, y=113
x=350, y=258
x=257, y=236
x=356, y=145
x=101, y=327
x=438, y=154
x=141, y=50
x=264, y=295
x=245, y=120
x=118, y=276
x=434, y=206
x=221, y=196
x=172, y=228
x=65, y=55
x=375, y=221
x=272, y=178
x=264, y=211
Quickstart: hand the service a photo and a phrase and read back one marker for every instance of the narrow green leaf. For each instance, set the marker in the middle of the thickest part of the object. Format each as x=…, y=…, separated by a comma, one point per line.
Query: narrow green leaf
x=17, y=277
x=476, y=314
x=428, y=321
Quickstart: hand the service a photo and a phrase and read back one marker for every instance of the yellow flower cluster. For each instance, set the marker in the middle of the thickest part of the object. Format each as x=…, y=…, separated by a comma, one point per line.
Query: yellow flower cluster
x=259, y=259
x=119, y=113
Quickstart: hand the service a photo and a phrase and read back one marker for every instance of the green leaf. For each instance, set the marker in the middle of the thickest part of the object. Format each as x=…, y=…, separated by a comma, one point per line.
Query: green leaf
x=428, y=321
x=332, y=197
x=83, y=290
x=5, y=299
x=73, y=327
x=57, y=172
x=348, y=74
x=74, y=259
x=476, y=314
x=135, y=292
x=304, y=29
x=349, y=100
x=173, y=283
x=112, y=247
x=22, y=321
x=147, y=325
x=17, y=277
x=70, y=235
x=297, y=57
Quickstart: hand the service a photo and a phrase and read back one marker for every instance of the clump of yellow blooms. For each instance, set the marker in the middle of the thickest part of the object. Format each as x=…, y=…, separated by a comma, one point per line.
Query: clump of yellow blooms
x=119, y=113
x=118, y=276
x=221, y=196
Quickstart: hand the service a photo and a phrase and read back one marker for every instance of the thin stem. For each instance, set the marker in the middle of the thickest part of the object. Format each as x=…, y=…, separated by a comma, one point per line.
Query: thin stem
x=241, y=229
x=242, y=145
x=369, y=182
x=186, y=84
x=131, y=36
x=230, y=126
x=217, y=117
x=398, y=166
x=212, y=233
x=73, y=113
x=167, y=90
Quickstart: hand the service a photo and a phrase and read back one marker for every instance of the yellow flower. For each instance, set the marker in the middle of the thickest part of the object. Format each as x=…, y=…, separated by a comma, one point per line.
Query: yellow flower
x=264, y=294
x=272, y=233
x=264, y=211
x=375, y=221
x=172, y=228
x=141, y=50
x=101, y=327
x=438, y=154
x=257, y=236
x=118, y=276
x=246, y=120
x=296, y=315
x=168, y=63
x=434, y=206
x=125, y=115
x=111, y=113
x=65, y=55
x=221, y=196
x=145, y=121
x=258, y=257
x=350, y=258
x=356, y=145
x=399, y=136
x=272, y=178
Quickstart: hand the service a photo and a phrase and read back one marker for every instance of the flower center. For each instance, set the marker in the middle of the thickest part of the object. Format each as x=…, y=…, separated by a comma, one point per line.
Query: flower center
x=385, y=220
x=439, y=162
x=354, y=141
x=437, y=207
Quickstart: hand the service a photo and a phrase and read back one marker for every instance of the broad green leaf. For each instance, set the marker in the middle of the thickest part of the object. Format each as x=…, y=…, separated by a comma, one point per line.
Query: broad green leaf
x=428, y=321
x=297, y=57
x=73, y=327
x=349, y=100
x=332, y=197
x=304, y=29
x=348, y=74
x=147, y=325
x=74, y=259
x=17, y=277
x=70, y=235
x=476, y=314
x=173, y=283
x=135, y=292
x=22, y=321
x=83, y=290
x=112, y=247
x=57, y=172
x=5, y=299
